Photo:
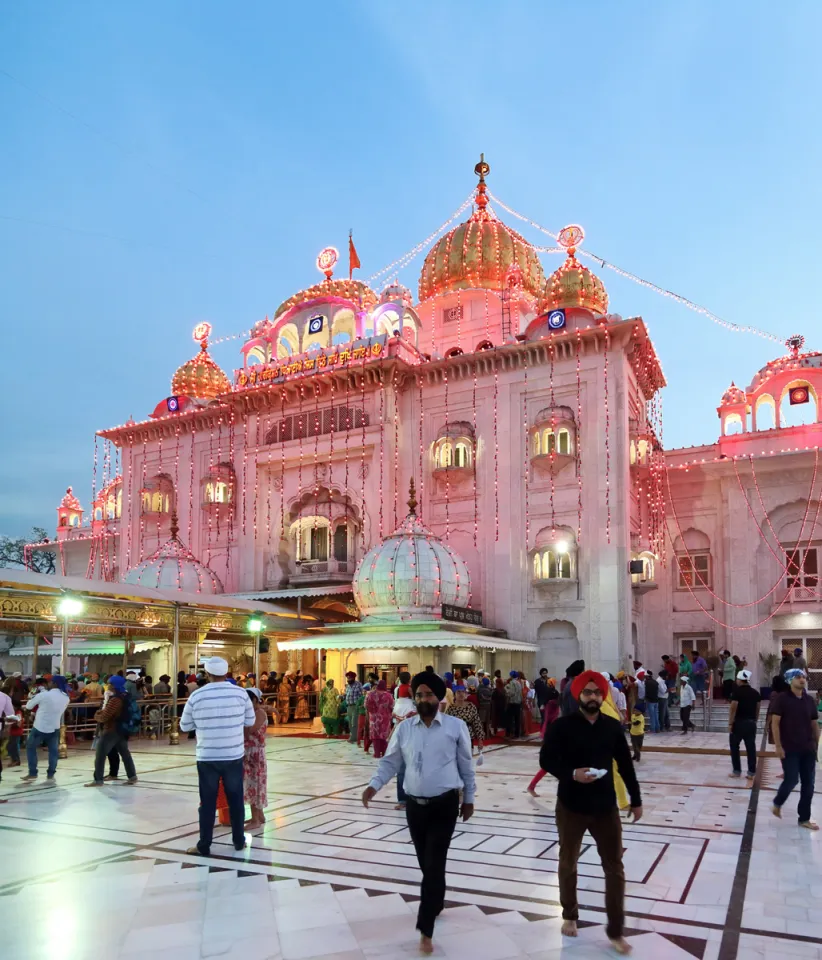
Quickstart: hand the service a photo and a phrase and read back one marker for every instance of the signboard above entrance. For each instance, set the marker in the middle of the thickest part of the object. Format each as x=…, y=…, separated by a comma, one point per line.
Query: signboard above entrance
x=461, y=614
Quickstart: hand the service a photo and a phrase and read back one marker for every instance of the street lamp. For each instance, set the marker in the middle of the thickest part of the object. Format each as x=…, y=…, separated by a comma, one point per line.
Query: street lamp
x=255, y=625
x=67, y=606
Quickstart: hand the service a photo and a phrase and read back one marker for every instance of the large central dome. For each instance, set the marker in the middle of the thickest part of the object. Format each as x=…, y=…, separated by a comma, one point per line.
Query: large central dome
x=479, y=254
x=410, y=574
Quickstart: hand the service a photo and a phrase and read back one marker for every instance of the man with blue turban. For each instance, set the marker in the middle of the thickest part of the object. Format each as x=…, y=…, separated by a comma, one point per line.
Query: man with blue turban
x=795, y=727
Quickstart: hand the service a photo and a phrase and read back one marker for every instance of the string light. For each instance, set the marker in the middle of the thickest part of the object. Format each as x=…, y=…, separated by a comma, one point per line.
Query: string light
x=475, y=451
x=526, y=466
x=684, y=301
x=579, y=437
x=396, y=410
x=496, y=449
x=382, y=450
x=553, y=443
x=607, y=443
x=362, y=450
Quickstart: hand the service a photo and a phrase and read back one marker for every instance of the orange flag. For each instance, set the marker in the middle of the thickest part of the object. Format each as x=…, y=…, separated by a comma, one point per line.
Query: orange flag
x=353, y=259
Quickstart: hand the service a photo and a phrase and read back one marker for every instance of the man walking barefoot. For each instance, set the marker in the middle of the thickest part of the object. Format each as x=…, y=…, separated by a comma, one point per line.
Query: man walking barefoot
x=436, y=751
x=580, y=751
x=742, y=719
x=795, y=729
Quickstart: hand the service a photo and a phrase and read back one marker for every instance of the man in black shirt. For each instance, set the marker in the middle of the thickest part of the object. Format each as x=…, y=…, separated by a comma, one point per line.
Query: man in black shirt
x=580, y=750
x=742, y=719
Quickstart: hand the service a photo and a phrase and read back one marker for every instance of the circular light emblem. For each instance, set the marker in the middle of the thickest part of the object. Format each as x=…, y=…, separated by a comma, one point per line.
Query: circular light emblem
x=556, y=319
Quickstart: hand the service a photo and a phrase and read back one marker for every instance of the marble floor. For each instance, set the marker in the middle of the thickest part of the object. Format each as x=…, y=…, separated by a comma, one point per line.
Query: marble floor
x=103, y=873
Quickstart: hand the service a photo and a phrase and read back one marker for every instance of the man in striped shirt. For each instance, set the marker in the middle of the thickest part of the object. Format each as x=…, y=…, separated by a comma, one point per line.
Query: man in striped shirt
x=219, y=712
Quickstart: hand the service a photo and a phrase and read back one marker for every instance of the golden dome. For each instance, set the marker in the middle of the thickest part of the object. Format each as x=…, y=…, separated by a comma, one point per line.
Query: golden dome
x=354, y=290
x=200, y=378
x=573, y=285
x=479, y=254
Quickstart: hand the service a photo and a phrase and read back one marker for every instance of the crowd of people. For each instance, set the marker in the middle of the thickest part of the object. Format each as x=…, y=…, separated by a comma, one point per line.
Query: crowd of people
x=424, y=731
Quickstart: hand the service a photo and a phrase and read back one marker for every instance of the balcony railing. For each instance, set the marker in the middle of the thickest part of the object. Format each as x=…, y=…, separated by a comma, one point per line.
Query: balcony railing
x=322, y=571
x=798, y=598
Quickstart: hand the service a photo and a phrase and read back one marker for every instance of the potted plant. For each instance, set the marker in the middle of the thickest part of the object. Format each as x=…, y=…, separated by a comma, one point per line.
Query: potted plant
x=770, y=666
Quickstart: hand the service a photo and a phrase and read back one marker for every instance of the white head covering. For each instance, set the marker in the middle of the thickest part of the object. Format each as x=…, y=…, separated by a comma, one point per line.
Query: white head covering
x=216, y=666
x=131, y=675
x=256, y=692
x=744, y=675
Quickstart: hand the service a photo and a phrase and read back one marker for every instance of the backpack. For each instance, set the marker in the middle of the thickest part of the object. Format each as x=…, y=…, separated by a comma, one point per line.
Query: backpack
x=130, y=718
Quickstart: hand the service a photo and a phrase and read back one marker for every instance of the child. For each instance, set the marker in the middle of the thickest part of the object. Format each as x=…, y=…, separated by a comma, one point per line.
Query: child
x=637, y=729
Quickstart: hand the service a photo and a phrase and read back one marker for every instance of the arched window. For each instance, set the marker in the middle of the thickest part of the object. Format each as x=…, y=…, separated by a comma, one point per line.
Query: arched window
x=548, y=441
x=555, y=555
x=537, y=447
x=288, y=341
x=733, y=424
x=158, y=494
x=454, y=449
x=564, y=444
x=462, y=454
x=343, y=327
x=254, y=356
x=765, y=413
x=553, y=438
x=311, y=536
x=218, y=488
x=341, y=543
x=485, y=345
x=98, y=513
x=454, y=352
x=798, y=405
x=693, y=555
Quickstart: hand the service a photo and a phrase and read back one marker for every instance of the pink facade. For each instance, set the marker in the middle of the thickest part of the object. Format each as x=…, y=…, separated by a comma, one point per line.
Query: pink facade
x=525, y=412
x=745, y=528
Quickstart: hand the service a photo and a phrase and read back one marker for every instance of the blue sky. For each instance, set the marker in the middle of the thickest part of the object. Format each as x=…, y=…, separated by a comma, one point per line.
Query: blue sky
x=168, y=162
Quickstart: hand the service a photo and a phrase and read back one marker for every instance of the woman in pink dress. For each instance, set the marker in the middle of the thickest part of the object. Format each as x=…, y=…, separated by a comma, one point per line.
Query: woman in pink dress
x=255, y=768
x=380, y=706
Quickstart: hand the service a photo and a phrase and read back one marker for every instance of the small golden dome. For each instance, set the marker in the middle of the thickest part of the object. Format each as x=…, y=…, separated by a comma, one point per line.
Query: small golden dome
x=353, y=290
x=479, y=254
x=200, y=378
x=573, y=285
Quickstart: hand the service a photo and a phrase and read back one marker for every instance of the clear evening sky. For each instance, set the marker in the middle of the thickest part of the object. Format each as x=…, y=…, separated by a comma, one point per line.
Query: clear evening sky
x=170, y=162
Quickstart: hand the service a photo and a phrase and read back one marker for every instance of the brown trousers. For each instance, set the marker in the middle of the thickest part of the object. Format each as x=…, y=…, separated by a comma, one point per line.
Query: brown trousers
x=606, y=830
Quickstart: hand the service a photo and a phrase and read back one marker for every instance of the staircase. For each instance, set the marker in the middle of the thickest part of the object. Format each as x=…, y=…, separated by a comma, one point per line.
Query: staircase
x=718, y=711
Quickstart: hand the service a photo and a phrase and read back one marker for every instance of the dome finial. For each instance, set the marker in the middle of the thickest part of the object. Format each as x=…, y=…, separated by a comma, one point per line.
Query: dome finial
x=175, y=529
x=795, y=343
x=412, y=499
x=481, y=170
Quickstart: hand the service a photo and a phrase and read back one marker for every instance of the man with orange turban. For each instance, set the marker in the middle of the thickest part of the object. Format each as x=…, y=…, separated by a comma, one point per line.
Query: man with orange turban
x=580, y=750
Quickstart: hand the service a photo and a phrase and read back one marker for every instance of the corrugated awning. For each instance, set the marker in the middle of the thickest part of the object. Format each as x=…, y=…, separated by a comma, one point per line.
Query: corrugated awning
x=85, y=648
x=327, y=591
x=405, y=639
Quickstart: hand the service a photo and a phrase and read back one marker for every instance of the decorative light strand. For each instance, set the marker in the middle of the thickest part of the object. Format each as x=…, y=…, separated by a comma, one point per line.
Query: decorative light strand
x=396, y=413
x=578, y=446
x=475, y=444
x=691, y=590
x=128, y=518
x=382, y=451
x=684, y=301
x=607, y=442
x=496, y=449
x=362, y=450
x=553, y=444
x=527, y=445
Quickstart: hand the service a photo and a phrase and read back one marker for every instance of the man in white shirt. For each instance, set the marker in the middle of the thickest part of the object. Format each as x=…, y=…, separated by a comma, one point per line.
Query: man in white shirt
x=687, y=698
x=664, y=714
x=219, y=712
x=435, y=749
x=51, y=704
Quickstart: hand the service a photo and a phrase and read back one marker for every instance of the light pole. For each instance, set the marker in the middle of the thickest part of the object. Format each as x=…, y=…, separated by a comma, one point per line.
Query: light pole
x=255, y=625
x=68, y=606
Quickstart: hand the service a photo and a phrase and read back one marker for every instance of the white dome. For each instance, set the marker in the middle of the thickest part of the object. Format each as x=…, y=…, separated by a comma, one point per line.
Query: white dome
x=174, y=567
x=410, y=574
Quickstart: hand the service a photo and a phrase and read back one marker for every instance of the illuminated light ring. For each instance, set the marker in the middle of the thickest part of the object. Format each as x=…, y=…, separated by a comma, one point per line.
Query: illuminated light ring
x=327, y=259
x=571, y=237
x=201, y=332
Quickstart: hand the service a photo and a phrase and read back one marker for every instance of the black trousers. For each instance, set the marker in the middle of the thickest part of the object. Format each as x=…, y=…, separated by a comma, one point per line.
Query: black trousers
x=513, y=716
x=431, y=826
x=743, y=731
x=685, y=716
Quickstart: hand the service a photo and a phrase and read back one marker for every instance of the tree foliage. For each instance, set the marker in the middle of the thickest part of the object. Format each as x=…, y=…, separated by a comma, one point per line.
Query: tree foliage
x=12, y=552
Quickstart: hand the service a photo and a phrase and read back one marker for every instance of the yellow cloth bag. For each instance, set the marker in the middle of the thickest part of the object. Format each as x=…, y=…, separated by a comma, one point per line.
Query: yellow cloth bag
x=610, y=710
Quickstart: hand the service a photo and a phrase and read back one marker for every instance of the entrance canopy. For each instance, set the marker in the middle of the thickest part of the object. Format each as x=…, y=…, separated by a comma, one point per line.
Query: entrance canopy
x=410, y=634
x=117, y=612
